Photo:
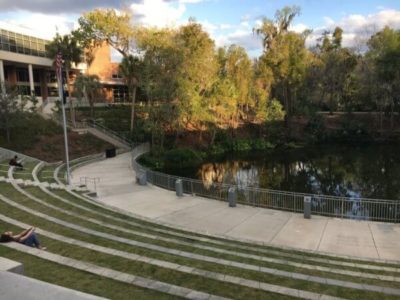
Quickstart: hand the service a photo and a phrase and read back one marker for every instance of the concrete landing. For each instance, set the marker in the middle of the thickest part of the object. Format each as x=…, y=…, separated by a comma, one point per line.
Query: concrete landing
x=11, y=266
x=13, y=286
x=364, y=239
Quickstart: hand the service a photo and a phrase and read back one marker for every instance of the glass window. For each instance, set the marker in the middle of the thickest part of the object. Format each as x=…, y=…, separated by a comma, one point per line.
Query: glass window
x=5, y=47
x=36, y=75
x=22, y=75
x=22, y=43
x=120, y=94
x=4, y=39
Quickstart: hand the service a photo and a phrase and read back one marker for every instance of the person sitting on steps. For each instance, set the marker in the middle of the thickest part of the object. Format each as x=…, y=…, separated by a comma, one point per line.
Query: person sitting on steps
x=27, y=237
x=14, y=162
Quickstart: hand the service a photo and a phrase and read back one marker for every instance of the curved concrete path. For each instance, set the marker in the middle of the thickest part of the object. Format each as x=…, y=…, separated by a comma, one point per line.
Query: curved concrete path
x=364, y=239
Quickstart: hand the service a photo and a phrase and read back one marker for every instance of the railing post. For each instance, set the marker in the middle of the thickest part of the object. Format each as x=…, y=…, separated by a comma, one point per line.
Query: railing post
x=179, y=187
x=342, y=208
x=307, y=207
x=232, y=196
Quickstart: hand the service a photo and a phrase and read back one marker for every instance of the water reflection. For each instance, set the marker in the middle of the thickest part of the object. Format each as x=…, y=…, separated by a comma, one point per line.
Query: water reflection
x=370, y=172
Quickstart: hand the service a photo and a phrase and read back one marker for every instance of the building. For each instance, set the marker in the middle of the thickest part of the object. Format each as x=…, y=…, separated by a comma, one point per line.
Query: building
x=24, y=64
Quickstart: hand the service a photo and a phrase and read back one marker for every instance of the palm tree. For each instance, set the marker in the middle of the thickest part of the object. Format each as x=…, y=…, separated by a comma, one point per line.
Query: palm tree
x=129, y=69
x=71, y=53
x=87, y=86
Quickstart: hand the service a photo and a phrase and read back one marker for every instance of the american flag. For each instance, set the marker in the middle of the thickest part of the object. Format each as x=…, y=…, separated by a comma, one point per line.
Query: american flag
x=59, y=63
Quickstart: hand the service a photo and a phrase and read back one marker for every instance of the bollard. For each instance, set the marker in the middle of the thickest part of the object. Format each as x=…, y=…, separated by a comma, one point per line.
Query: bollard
x=307, y=207
x=141, y=178
x=232, y=197
x=179, y=187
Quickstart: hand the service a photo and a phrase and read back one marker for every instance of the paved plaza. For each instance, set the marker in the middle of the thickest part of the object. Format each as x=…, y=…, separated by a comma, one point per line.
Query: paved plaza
x=117, y=187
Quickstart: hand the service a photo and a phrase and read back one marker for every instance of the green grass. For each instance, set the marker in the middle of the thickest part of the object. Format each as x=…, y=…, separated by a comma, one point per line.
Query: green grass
x=255, y=249
x=53, y=201
x=47, y=174
x=26, y=173
x=79, y=280
x=212, y=267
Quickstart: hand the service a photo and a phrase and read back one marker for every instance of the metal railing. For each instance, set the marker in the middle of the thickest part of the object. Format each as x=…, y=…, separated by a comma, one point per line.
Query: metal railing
x=90, y=180
x=93, y=124
x=110, y=132
x=333, y=206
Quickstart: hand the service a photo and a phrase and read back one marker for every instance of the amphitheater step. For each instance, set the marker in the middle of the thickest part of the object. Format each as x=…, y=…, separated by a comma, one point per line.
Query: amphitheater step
x=11, y=266
x=14, y=286
x=115, y=275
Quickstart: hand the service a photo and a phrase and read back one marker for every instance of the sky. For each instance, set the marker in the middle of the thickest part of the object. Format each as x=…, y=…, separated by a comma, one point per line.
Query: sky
x=227, y=21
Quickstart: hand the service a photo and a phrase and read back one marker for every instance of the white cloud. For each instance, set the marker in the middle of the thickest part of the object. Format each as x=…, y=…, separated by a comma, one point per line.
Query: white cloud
x=244, y=38
x=39, y=25
x=299, y=28
x=209, y=27
x=358, y=28
x=158, y=13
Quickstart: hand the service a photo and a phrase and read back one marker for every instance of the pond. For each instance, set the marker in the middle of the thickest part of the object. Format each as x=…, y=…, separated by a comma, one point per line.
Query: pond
x=367, y=171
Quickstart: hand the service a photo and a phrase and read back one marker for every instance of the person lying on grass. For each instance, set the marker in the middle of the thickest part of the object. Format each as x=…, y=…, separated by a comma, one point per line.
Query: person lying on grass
x=27, y=237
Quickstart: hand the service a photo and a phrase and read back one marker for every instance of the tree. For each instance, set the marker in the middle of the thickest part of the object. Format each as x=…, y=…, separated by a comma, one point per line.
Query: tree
x=158, y=79
x=106, y=25
x=88, y=86
x=11, y=110
x=285, y=54
x=238, y=69
x=71, y=53
x=335, y=70
x=129, y=68
x=196, y=73
x=384, y=52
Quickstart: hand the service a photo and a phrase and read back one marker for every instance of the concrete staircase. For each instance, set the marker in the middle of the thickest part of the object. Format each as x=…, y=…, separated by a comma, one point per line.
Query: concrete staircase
x=176, y=262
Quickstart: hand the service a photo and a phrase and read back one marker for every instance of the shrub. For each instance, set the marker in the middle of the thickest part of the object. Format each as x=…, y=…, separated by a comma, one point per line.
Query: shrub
x=216, y=150
x=241, y=146
x=261, y=145
x=181, y=158
x=151, y=162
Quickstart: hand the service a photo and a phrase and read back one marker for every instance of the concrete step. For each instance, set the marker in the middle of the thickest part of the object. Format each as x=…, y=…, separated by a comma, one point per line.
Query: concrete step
x=11, y=266
x=15, y=286
x=107, y=273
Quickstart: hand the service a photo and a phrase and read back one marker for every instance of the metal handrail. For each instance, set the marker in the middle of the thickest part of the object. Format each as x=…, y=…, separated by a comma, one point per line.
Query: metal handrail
x=96, y=125
x=333, y=206
x=110, y=132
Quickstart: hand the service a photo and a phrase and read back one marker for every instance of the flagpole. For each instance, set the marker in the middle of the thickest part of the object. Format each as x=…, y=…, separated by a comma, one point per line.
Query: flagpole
x=61, y=92
x=61, y=95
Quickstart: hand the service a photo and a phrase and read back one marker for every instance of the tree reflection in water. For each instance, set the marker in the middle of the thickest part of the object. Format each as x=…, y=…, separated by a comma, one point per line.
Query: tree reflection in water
x=350, y=171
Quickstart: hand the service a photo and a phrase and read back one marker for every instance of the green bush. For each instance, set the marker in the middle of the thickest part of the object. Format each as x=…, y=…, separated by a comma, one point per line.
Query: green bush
x=216, y=150
x=261, y=145
x=241, y=145
x=181, y=158
x=154, y=163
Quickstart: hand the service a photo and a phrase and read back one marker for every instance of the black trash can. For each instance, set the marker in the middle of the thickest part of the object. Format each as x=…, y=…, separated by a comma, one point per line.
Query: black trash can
x=111, y=152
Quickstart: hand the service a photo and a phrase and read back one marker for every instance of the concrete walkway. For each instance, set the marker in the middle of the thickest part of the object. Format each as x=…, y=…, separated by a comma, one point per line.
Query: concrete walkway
x=365, y=239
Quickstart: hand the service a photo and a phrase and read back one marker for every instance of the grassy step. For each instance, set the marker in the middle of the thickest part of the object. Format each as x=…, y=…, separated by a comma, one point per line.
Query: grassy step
x=136, y=232
x=154, y=272
x=47, y=174
x=230, y=245
x=277, y=279
x=79, y=280
x=26, y=173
